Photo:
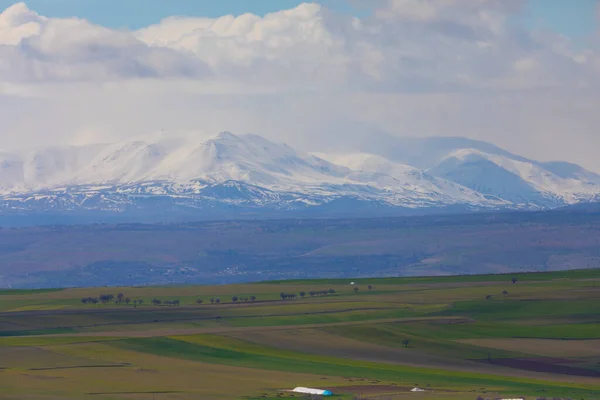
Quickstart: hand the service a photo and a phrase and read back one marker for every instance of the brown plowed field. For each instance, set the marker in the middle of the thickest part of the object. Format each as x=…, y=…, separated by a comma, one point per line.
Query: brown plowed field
x=542, y=365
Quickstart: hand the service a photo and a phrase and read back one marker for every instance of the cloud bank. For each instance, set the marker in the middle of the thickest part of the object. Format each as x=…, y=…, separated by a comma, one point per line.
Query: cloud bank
x=413, y=67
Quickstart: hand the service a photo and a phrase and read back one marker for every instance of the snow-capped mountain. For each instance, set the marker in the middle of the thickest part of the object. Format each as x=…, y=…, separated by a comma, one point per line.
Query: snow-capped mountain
x=195, y=176
x=516, y=180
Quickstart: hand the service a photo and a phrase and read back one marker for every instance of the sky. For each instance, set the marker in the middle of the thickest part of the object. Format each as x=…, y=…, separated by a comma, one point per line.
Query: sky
x=523, y=74
x=136, y=14
x=575, y=18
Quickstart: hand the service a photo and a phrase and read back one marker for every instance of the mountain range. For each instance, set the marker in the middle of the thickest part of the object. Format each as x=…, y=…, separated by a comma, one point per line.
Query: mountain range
x=191, y=176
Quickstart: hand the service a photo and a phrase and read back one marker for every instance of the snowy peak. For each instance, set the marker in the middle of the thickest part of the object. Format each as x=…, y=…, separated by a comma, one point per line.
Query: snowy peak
x=514, y=178
x=253, y=153
x=376, y=170
x=226, y=156
x=194, y=172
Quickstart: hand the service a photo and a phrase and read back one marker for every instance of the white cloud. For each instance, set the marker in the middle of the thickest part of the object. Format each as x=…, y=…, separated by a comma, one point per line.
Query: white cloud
x=434, y=67
x=18, y=23
x=35, y=48
x=409, y=45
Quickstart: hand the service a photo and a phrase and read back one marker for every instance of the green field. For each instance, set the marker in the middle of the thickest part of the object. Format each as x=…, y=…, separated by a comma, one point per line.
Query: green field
x=455, y=337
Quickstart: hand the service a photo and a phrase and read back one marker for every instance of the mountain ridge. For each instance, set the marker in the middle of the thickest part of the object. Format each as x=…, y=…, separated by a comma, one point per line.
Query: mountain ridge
x=202, y=175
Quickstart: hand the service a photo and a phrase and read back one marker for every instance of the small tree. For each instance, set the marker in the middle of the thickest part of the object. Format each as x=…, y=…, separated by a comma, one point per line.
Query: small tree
x=134, y=303
x=514, y=280
x=140, y=302
x=406, y=342
x=127, y=300
x=488, y=297
x=331, y=291
x=234, y=299
x=198, y=301
x=105, y=298
x=218, y=300
x=283, y=296
x=370, y=287
x=355, y=289
x=212, y=301
x=120, y=298
x=504, y=292
x=85, y=300
x=302, y=294
x=252, y=298
x=94, y=301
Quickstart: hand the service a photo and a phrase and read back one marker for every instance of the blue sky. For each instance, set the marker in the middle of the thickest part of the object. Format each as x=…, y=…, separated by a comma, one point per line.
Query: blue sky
x=573, y=18
x=139, y=13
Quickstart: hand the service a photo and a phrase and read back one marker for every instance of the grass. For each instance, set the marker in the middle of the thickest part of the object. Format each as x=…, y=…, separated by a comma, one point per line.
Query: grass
x=46, y=341
x=525, y=277
x=394, y=336
x=512, y=309
x=349, y=339
x=237, y=353
x=51, y=331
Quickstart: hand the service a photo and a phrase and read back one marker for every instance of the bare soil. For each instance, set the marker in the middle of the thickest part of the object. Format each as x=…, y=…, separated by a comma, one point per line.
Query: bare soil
x=542, y=365
x=555, y=348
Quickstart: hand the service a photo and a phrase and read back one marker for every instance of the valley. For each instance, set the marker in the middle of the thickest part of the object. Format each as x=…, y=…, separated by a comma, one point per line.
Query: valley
x=454, y=337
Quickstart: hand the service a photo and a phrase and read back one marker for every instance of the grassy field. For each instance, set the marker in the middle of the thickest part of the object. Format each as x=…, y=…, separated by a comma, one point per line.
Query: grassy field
x=455, y=337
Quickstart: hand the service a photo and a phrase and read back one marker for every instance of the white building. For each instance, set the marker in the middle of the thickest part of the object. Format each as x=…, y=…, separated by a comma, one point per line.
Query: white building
x=317, y=392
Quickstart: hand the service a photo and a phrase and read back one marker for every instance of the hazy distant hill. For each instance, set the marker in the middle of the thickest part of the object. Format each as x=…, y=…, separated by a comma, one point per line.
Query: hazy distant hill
x=219, y=252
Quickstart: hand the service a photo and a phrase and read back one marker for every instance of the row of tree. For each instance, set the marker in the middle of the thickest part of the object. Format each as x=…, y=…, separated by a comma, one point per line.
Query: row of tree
x=158, y=302
x=107, y=298
x=312, y=293
x=122, y=299
x=236, y=299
